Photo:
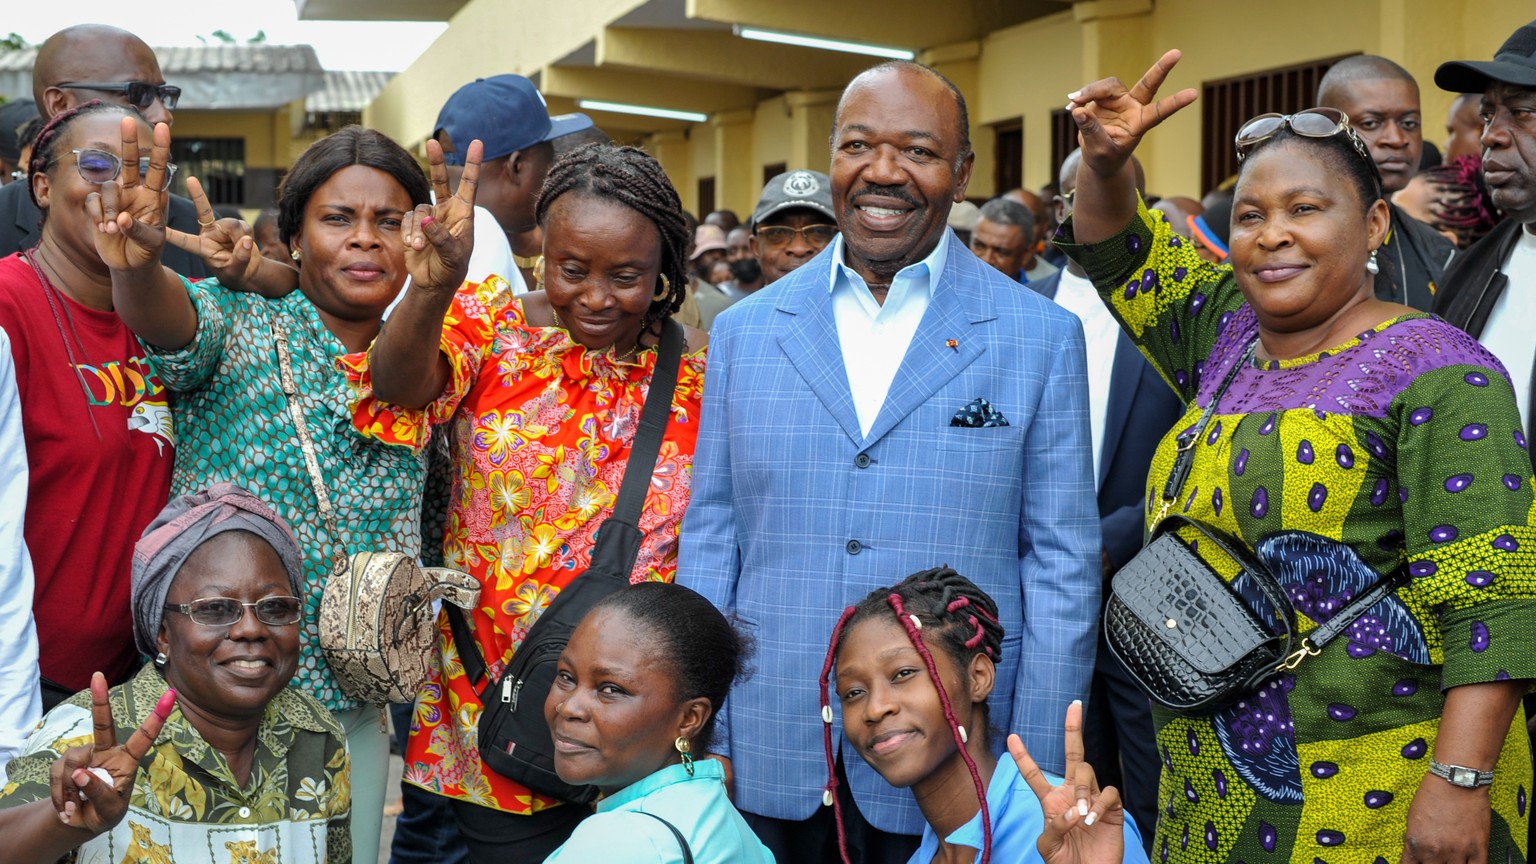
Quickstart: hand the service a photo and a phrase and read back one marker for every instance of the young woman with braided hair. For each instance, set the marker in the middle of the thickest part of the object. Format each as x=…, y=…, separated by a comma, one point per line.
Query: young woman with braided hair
x=912, y=666
x=542, y=394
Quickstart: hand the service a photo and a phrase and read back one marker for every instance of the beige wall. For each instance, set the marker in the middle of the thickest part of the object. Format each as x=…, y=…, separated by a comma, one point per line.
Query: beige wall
x=266, y=134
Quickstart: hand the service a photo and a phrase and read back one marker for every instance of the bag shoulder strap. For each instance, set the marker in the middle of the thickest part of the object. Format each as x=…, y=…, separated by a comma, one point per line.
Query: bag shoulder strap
x=306, y=444
x=637, y=479
x=681, y=840
x=653, y=425
x=1187, y=442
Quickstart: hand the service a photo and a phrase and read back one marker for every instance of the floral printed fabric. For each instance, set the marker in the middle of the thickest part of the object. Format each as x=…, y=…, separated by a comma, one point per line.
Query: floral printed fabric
x=186, y=805
x=1403, y=443
x=540, y=434
x=233, y=426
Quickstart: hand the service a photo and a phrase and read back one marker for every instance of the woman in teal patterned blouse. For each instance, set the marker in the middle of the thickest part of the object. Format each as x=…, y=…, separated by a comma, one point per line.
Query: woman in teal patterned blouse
x=340, y=212
x=1358, y=420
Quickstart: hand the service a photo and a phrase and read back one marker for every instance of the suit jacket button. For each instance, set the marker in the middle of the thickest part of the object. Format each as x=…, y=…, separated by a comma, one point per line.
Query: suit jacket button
x=862, y=460
x=855, y=547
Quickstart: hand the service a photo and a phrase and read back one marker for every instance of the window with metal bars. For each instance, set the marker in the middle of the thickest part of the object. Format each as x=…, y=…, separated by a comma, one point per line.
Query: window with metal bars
x=217, y=163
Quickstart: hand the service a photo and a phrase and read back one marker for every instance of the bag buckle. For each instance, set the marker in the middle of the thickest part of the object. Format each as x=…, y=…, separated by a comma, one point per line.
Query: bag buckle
x=1306, y=650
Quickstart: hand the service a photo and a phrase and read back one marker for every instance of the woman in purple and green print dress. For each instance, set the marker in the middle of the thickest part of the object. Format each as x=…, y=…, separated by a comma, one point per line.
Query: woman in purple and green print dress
x=1364, y=422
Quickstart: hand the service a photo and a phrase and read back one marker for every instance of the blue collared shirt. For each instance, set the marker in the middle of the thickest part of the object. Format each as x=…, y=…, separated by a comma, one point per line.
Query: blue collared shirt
x=1016, y=823
x=874, y=335
x=620, y=833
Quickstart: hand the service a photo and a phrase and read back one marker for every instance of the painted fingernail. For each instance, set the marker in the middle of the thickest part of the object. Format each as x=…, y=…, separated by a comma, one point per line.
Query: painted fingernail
x=1077, y=701
x=1070, y=106
x=1092, y=817
x=1082, y=806
x=102, y=775
x=1074, y=94
x=166, y=703
x=426, y=220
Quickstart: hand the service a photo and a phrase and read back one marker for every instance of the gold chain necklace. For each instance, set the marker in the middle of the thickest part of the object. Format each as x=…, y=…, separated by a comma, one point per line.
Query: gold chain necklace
x=624, y=357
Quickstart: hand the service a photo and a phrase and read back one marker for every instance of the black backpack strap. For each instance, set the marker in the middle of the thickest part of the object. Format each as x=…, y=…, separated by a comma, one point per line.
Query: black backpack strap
x=681, y=840
x=638, y=471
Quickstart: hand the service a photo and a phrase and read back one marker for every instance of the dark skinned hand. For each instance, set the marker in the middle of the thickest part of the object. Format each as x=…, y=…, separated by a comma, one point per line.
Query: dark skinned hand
x=128, y=212
x=440, y=237
x=1083, y=823
x=1111, y=119
x=82, y=798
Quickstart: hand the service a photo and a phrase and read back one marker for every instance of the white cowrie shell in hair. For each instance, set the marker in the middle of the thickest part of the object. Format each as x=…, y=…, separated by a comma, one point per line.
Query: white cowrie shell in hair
x=964, y=738
x=826, y=798
x=826, y=714
x=916, y=622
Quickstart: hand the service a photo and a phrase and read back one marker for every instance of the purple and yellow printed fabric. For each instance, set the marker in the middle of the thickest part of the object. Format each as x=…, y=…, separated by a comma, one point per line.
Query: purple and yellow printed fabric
x=1403, y=443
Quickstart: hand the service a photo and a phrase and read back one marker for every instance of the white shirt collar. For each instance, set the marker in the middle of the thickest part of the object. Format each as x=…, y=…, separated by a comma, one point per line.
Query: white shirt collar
x=917, y=276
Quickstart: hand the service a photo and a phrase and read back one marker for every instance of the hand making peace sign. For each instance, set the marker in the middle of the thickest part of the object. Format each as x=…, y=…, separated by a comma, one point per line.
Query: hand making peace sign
x=1083, y=823
x=129, y=211
x=440, y=237
x=1111, y=120
x=81, y=796
x=227, y=246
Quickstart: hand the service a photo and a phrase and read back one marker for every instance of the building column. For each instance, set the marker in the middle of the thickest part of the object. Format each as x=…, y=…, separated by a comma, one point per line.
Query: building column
x=736, y=182
x=811, y=116
x=671, y=149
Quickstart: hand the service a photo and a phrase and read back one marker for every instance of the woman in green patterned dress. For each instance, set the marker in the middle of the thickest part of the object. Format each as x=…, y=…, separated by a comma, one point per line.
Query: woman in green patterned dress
x=341, y=208
x=1367, y=423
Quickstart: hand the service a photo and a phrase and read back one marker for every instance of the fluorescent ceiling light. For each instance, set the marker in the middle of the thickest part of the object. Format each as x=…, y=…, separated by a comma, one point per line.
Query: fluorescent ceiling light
x=824, y=44
x=643, y=110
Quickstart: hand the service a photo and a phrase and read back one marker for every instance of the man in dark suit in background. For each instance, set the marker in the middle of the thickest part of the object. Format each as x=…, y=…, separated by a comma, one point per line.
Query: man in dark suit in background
x=122, y=69
x=1122, y=387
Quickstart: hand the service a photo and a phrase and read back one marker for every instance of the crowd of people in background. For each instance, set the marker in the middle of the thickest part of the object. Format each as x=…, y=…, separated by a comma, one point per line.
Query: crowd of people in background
x=910, y=440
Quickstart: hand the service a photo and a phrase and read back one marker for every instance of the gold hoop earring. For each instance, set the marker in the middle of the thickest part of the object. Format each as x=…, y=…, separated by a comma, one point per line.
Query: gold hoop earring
x=686, y=749
x=666, y=287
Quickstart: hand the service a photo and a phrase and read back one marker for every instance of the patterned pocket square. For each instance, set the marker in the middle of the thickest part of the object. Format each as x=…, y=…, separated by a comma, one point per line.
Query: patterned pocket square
x=978, y=414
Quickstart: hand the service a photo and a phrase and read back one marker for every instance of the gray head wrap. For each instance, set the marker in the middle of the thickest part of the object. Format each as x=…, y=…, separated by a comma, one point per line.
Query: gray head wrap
x=185, y=524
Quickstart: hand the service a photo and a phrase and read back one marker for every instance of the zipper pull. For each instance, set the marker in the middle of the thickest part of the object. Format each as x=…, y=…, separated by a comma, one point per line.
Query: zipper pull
x=506, y=690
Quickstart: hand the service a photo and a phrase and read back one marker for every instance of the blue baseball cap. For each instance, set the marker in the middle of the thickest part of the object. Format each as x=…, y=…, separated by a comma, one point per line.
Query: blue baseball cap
x=506, y=112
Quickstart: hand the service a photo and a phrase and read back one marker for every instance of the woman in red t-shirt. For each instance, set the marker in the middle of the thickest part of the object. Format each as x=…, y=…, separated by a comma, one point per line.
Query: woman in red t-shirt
x=98, y=430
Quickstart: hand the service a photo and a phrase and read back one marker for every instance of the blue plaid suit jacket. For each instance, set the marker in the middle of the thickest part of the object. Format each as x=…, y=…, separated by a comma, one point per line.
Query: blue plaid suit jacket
x=780, y=495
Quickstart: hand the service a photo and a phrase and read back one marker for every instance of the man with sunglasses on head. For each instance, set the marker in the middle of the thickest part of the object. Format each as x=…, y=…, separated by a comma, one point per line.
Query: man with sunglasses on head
x=1382, y=101
x=96, y=62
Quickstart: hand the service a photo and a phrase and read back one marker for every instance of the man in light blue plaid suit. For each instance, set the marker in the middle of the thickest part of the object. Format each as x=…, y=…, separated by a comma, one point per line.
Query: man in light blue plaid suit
x=894, y=404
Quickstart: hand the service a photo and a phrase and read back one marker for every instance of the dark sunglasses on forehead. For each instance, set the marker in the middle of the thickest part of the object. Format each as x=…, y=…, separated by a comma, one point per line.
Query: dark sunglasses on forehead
x=783, y=235
x=226, y=611
x=139, y=94
x=1311, y=123
x=99, y=166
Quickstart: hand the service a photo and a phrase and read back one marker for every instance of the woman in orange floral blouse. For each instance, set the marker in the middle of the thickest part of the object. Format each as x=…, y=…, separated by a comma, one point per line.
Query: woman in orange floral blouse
x=543, y=395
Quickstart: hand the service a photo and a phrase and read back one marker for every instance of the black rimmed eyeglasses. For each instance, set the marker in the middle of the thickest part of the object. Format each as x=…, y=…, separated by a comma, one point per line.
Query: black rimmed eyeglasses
x=139, y=94
x=225, y=611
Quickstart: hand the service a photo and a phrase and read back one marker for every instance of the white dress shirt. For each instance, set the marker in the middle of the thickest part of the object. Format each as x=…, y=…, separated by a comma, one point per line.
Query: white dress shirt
x=1076, y=295
x=20, y=699
x=1508, y=331
x=875, y=336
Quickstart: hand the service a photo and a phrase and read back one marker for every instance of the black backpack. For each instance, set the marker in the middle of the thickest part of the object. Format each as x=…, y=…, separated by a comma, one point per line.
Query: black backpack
x=515, y=740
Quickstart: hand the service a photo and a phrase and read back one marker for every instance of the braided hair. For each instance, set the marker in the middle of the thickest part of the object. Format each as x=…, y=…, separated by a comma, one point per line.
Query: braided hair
x=45, y=149
x=632, y=177
x=961, y=619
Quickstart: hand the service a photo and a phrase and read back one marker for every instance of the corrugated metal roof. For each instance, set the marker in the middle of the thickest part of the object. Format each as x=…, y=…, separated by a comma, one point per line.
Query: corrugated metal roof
x=347, y=91
x=205, y=58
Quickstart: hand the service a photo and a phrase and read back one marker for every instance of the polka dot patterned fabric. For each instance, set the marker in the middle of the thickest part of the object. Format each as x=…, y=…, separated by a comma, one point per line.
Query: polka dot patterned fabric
x=234, y=427
x=1403, y=443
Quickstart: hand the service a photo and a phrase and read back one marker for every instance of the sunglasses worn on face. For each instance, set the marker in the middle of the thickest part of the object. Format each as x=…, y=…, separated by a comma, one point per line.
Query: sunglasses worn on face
x=99, y=166
x=225, y=611
x=783, y=235
x=139, y=94
x=1311, y=123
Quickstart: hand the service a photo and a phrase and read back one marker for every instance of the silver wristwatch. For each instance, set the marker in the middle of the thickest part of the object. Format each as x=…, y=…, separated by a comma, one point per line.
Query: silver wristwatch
x=1456, y=775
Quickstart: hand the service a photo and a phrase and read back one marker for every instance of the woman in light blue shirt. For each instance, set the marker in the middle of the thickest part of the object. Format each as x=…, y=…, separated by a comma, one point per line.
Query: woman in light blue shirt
x=914, y=665
x=635, y=696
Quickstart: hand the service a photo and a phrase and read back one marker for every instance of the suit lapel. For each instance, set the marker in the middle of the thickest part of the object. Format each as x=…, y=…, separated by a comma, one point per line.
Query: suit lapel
x=1124, y=375
x=959, y=300
x=810, y=341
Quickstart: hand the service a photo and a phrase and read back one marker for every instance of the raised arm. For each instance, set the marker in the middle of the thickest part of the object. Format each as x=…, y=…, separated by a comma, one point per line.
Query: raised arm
x=1111, y=121
x=228, y=247
x=407, y=367
x=130, y=216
